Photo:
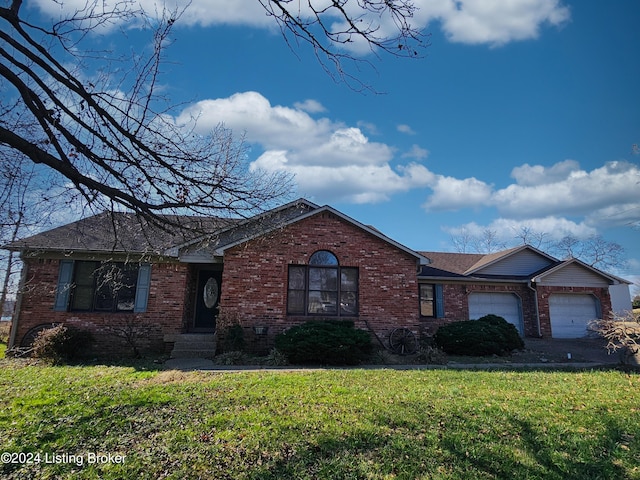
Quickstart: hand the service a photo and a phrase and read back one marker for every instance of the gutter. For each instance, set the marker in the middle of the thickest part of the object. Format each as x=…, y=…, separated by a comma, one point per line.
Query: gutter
x=535, y=296
x=426, y=278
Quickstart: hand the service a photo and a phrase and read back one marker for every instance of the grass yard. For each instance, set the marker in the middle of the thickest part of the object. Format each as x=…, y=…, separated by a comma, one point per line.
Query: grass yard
x=341, y=424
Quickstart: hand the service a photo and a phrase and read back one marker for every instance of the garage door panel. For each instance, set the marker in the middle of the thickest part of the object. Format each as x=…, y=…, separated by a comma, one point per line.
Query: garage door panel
x=570, y=314
x=505, y=305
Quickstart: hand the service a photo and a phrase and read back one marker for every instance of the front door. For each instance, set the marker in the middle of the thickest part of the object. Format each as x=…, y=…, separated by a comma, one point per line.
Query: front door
x=207, y=300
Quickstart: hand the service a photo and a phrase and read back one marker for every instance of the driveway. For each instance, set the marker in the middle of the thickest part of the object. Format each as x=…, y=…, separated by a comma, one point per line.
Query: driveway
x=558, y=350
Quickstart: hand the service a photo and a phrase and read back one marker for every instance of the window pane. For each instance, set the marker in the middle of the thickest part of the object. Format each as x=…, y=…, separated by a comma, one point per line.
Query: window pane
x=349, y=279
x=125, y=290
x=296, y=277
x=104, y=297
x=427, y=301
x=323, y=279
x=323, y=302
x=126, y=299
x=348, y=303
x=84, y=273
x=82, y=298
x=295, y=302
x=323, y=257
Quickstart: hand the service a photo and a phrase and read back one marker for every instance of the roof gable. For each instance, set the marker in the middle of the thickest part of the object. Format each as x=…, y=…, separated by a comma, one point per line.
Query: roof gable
x=516, y=262
x=209, y=246
x=310, y=212
x=520, y=261
x=574, y=272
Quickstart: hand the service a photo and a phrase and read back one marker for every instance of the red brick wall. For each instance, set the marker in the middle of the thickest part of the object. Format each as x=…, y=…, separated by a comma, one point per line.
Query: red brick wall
x=254, y=283
x=164, y=315
x=602, y=294
x=456, y=304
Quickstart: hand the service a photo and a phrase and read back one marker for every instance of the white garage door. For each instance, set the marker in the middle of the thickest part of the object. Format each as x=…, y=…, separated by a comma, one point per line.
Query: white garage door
x=570, y=314
x=505, y=305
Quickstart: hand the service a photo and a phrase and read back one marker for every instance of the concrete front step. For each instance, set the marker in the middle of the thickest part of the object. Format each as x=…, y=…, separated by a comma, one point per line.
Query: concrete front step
x=194, y=345
x=193, y=353
x=195, y=337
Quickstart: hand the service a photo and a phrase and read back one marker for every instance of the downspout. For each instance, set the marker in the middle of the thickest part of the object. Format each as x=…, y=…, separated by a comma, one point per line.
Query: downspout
x=535, y=296
x=18, y=306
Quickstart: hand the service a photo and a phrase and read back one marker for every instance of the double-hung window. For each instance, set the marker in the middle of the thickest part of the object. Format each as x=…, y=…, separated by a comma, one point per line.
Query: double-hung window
x=322, y=287
x=431, y=300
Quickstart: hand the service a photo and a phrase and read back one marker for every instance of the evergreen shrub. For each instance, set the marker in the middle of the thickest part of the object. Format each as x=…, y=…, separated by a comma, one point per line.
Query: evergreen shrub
x=325, y=342
x=489, y=335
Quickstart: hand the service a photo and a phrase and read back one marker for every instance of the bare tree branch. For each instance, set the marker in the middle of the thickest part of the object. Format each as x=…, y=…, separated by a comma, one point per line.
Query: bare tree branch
x=112, y=143
x=99, y=123
x=334, y=28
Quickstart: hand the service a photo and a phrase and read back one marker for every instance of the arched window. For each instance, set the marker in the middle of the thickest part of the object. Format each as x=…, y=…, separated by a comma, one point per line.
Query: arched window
x=323, y=287
x=323, y=257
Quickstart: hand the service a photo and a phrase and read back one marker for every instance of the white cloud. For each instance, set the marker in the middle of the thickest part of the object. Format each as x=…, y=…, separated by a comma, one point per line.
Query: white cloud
x=608, y=195
x=452, y=194
x=627, y=214
x=310, y=106
x=416, y=152
x=368, y=127
x=498, y=22
x=575, y=192
x=330, y=160
x=537, y=174
x=271, y=126
x=507, y=229
x=199, y=12
x=348, y=183
x=405, y=129
x=494, y=22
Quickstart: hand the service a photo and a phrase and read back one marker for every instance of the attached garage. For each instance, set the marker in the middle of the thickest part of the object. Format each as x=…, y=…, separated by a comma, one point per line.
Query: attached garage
x=505, y=305
x=571, y=313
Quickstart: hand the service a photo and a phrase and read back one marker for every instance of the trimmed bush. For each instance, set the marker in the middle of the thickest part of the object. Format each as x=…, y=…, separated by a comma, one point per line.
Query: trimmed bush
x=326, y=342
x=233, y=339
x=61, y=343
x=489, y=335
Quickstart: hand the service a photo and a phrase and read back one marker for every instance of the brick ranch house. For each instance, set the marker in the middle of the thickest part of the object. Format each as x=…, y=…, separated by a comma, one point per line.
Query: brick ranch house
x=294, y=263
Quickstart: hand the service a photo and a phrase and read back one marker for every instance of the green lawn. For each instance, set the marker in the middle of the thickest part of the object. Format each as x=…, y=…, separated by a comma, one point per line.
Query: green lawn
x=369, y=424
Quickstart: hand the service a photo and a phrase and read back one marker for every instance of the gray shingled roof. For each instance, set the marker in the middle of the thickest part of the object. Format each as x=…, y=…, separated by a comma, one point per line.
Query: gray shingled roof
x=113, y=232
x=120, y=232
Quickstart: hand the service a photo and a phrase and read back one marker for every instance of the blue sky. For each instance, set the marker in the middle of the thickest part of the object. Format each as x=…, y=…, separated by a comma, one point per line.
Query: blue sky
x=521, y=113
